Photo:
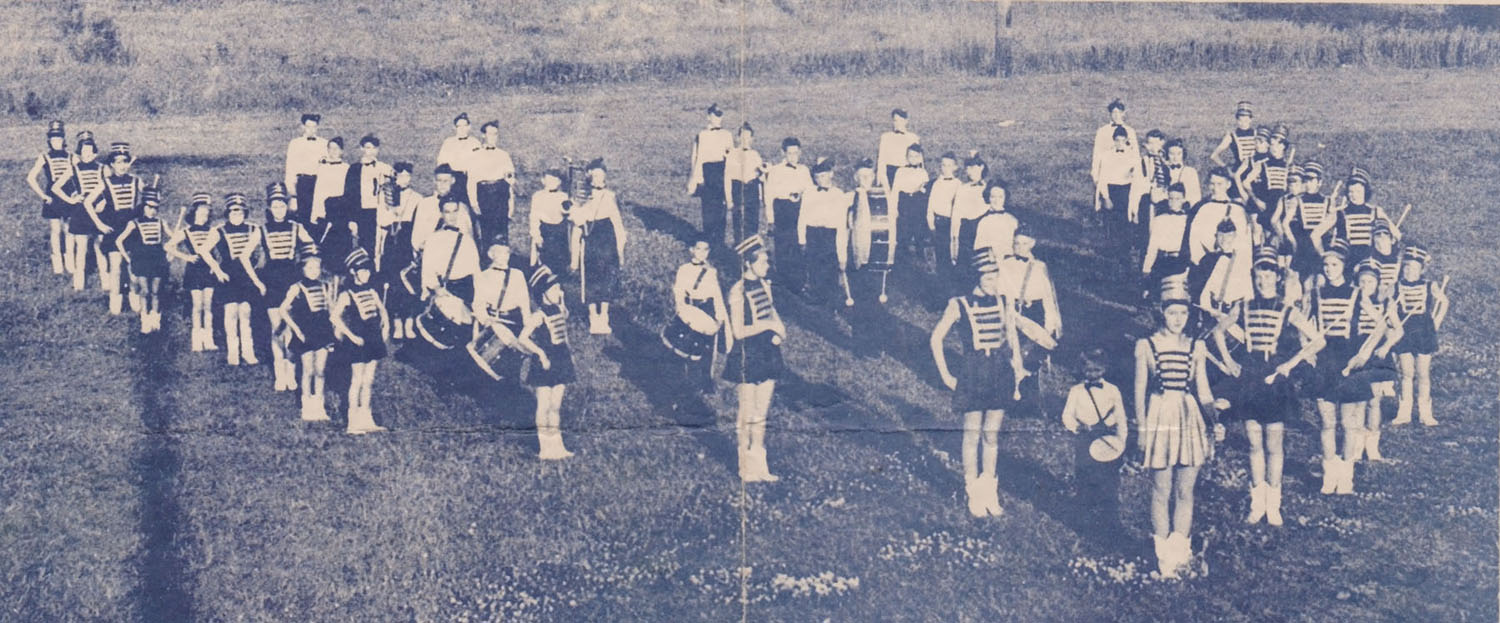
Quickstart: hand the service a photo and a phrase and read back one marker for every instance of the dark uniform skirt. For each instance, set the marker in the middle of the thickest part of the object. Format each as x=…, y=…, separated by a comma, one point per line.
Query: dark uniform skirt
x=197, y=276
x=747, y=207
x=373, y=348
x=986, y=382
x=148, y=262
x=278, y=275
x=601, y=263
x=553, y=247
x=1250, y=399
x=239, y=288
x=754, y=359
x=1329, y=382
x=79, y=223
x=1420, y=337
x=55, y=208
x=317, y=332
x=562, y=372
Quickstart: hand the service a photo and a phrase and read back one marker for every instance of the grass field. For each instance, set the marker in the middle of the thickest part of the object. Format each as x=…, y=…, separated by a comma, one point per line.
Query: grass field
x=143, y=482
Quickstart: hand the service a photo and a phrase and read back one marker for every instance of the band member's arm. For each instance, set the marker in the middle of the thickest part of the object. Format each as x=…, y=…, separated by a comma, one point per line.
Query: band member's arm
x=1205, y=391
x=737, y=326
x=341, y=330
x=291, y=175
x=1072, y=406
x=1142, y=377
x=120, y=241
x=208, y=255
x=1225, y=144
x=619, y=224
x=802, y=222
x=526, y=305
x=1096, y=162
x=257, y=254
x=1225, y=361
x=1051, y=314
x=1033, y=331
x=91, y=207
x=1322, y=230
x=530, y=322
x=935, y=343
x=721, y=311
x=695, y=173
x=1380, y=214
x=285, y=310
x=1192, y=187
x=680, y=295
x=1394, y=330
x=1311, y=338
x=1152, y=248
x=33, y=177
x=1366, y=349
x=60, y=182
x=841, y=236
x=174, y=242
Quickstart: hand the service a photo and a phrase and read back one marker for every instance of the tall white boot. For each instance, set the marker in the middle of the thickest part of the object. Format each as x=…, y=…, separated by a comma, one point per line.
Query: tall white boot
x=977, y=505
x=1345, y=483
x=1273, y=505
x=247, y=342
x=1257, y=503
x=1372, y=446
x=1424, y=409
x=1330, y=475
x=762, y=470
x=232, y=335
x=1165, y=562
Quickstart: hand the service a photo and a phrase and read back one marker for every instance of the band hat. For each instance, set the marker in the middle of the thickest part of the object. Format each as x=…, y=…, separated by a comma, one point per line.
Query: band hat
x=357, y=259
x=234, y=201
x=746, y=127
x=202, y=199
x=150, y=196
x=308, y=251
x=542, y=279
x=275, y=191
x=1359, y=176
x=1295, y=171
x=56, y=128
x=1263, y=132
x=1416, y=253
x=85, y=137
x=1174, y=291
x=750, y=246
x=1281, y=133
x=1381, y=226
x=119, y=148
x=1367, y=265
x=1244, y=109
x=974, y=160
x=369, y=139
x=1312, y=168
x=1336, y=247
x=1267, y=255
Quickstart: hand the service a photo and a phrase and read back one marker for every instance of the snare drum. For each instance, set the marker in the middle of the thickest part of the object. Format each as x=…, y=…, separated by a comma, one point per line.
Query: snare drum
x=493, y=356
x=445, y=322
x=882, y=225
x=691, y=334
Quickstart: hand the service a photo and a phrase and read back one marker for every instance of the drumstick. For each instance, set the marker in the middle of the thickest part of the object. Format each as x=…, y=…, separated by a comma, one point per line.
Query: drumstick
x=1405, y=211
x=844, y=281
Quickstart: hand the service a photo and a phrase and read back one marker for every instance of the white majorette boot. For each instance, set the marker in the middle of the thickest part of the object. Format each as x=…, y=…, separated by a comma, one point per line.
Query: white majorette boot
x=1181, y=546
x=1273, y=505
x=1372, y=446
x=989, y=490
x=1257, y=503
x=1345, y=483
x=762, y=470
x=1424, y=410
x=1165, y=567
x=1330, y=476
x=977, y=506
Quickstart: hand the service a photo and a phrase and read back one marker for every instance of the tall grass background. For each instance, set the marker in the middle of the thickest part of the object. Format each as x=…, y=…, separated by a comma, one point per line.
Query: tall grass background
x=147, y=57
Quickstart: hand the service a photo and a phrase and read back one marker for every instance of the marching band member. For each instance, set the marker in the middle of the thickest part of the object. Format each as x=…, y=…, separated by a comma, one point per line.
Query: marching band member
x=1228, y=280
x=744, y=173
x=1165, y=249
x=202, y=272
x=1150, y=187
x=1332, y=302
x=909, y=187
x=995, y=229
x=1244, y=175
x=1179, y=172
x=119, y=195
x=450, y=258
x=371, y=175
x=555, y=370
x=283, y=236
x=1263, y=397
x=823, y=234
x=989, y=375
x=303, y=155
x=492, y=179
x=501, y=303
x=359, y=318
x=1422, y=305
x=306, y=312
x=1095, y=410
x=890, y=154
x=1174, y=436
x=1268, y=183
x=1376, y=321
x=81, y=186
x=696, y=286
x=146, y=257
x=1287, y=206
x=1311, y=210
x=328, y=191
x=1239, y=142
x=395, y=256
x=754, y=363
x=1026, y=282
x=1352, y=219
x=429, y=215
x=236, y=243
x=549, y=225
x=1114, y=170
x=940, y=196
x=786, y=183
x=710, y=148
x=599, y=248
x=969, y=204
x=1385, y=254
x=50, y=167
x=1206, y=216
x=871, y=208
x=455, y=152
x=1107, y=141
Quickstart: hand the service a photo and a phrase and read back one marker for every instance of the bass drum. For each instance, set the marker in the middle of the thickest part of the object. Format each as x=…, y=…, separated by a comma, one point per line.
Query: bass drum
x=493, y=356
x=691, y=334
x=446, y=321
x=882, y=232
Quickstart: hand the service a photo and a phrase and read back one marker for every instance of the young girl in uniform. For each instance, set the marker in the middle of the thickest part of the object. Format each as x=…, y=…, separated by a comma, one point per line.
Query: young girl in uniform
x=202, y=272
x=120, y=195
x=599, y=237
x=744, y=171
x=283, y=236
x=550, y=209
x=553, y=369
x=84, y=182
x=1166, y=252
x=237, y=242
x=1174, y=436
x=754, y=363
x=51, y=167
x=147, y=258
x=989, y=376
x=1262, y=395
x=1376, y=323
x=1422, y=305
x=1332, y=302
x=1353, y=218
x=397, y=255
x=360, y=319
x=306, y=310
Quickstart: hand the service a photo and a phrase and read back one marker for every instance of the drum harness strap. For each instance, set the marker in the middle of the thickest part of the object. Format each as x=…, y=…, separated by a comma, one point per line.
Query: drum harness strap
x=697, y=282
x=453, y=257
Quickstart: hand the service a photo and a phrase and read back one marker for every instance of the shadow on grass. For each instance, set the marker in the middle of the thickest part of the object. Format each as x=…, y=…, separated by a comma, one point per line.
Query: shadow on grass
x=164, y=592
